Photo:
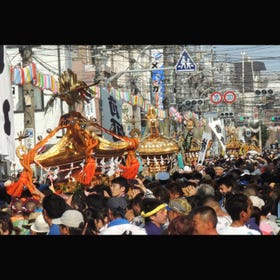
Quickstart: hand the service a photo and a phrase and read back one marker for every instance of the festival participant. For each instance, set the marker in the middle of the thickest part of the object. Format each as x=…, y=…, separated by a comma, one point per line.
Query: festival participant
x=155, y=214
x=205, y=220
x=6, y=224
x=71, y=222
x=239, y=207
x=118, y=224
x=53, y=207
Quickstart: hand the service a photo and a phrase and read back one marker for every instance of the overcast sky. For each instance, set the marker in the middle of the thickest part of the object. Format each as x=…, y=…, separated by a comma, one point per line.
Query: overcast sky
x=269, y=54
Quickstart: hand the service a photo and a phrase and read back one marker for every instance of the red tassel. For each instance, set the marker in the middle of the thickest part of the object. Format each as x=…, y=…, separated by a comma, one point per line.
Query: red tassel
x=130, y=172
x=11, y=189
x=16, y=188
x=89, y=171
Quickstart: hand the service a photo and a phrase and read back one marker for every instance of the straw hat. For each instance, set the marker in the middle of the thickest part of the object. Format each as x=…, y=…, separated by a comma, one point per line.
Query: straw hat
x=40, y=225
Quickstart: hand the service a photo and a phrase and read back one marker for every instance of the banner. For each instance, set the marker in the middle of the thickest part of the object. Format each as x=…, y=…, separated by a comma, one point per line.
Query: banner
x=7, y=131
x=206, y=137
x=217, y=127
x=158, y=81
x=111, y=115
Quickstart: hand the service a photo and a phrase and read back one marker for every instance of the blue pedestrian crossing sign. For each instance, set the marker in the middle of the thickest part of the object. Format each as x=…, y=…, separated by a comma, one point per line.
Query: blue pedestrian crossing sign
x=185, y=63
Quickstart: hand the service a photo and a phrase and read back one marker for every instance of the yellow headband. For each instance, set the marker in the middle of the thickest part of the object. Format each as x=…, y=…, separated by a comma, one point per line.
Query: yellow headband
x=148, y=214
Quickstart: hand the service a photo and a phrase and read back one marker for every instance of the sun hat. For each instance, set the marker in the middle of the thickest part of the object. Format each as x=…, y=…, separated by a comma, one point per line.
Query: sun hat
x=40, y=225
x=70, y=218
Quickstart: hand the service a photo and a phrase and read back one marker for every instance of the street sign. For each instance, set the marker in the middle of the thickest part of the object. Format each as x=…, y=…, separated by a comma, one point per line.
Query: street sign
x=29, y=141
x=185, y=63
x=229, y=97
x=29, y=132
x=216, y=97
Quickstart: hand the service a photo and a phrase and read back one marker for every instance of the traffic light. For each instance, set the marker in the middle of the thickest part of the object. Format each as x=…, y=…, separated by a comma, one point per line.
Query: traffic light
x=193, y=102
x=264, y=91
x=275, y=118
x=227, y=115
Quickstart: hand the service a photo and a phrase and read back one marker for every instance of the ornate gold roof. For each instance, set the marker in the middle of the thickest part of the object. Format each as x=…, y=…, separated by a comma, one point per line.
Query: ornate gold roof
x=157, y=146
x=155, y=143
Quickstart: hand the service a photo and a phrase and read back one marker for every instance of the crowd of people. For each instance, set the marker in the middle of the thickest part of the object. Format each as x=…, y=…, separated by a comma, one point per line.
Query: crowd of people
x=224, y=196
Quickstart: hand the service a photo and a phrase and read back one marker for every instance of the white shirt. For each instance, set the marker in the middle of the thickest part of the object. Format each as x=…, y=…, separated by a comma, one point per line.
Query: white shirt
x=223, y=222
x=243, y=230
x=122, y=227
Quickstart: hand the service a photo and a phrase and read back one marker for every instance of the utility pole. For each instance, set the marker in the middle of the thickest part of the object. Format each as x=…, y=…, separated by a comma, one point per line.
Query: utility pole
x=99, y=76
x=100, y=65
x=243, y=73
x=212, y=67
x=168, y=89
x=134, y=90
x=59, y=75
x=28, y=100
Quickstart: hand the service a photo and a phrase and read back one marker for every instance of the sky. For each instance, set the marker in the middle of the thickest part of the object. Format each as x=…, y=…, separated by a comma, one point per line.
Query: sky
x=269, y=54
